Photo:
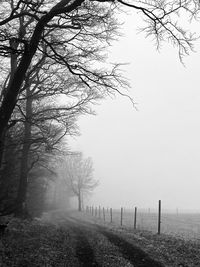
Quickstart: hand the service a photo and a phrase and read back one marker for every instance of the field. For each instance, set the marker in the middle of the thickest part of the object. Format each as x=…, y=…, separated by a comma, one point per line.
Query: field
x=184, y=225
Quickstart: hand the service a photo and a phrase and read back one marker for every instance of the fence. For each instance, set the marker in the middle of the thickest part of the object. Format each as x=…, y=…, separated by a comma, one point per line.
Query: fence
x=184, y=225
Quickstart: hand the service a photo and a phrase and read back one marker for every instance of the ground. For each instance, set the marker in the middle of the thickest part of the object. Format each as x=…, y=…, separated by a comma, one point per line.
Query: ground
x=73, y=239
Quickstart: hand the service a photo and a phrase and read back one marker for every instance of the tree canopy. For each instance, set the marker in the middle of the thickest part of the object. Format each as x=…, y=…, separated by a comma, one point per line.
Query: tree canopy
x=64, y=26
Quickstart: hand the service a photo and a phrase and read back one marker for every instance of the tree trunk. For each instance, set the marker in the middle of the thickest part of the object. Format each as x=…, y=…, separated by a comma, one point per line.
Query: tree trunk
x=79, y=201
x=2, y=148
x=13, y=67
x=13, y=89
x=23, y=182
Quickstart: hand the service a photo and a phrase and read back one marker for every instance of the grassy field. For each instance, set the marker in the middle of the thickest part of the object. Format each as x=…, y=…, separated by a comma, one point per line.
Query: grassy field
x=184, y=225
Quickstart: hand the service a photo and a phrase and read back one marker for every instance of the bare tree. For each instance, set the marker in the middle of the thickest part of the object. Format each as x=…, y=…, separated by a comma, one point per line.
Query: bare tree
x=78, y=176
x=48, y=78
x=27, y=25
x=46, y=121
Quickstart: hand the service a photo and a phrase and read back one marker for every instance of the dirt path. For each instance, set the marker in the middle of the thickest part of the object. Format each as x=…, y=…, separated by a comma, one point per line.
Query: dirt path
x=98, y=246
x=84, y=251
x=76, y=239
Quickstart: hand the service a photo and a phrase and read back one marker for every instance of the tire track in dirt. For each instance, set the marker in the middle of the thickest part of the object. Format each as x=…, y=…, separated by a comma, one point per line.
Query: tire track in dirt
x=84, y=252
x=135, y=255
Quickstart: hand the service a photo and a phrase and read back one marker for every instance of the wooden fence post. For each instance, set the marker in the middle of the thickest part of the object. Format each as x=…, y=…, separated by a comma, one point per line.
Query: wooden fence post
x=159, y=216
x=121, y=216
x=92, y=210
x=135, y=218
x=99, y=211
x=111, y=215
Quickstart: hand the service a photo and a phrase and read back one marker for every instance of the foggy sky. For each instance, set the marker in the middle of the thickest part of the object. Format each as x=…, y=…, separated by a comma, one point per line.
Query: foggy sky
x=153, y=153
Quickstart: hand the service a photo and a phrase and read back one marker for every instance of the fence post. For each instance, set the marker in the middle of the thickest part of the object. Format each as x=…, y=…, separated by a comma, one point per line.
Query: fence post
x=121, y=216
x=159, y=216
x=99, y=211
x=111, y=215
x=135, y=218
x=92, y=210
x=104, y=217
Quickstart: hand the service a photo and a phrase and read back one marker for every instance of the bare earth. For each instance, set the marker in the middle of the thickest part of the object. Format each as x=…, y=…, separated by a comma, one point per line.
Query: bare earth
x=75, y=239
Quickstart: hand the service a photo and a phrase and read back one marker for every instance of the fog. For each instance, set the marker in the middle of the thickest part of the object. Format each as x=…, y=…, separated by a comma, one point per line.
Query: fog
x=152, y=153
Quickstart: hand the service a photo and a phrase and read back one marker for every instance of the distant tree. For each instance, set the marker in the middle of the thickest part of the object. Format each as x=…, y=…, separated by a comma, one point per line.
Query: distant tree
x=15, y=185
x=78, y=176
x=58, y=195
x=39, y=180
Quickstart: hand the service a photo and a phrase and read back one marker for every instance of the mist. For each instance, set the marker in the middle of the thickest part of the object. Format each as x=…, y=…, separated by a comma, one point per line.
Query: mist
x=152, y=152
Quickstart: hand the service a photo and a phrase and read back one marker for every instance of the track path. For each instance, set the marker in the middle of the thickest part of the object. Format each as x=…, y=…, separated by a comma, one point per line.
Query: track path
x=96, y=245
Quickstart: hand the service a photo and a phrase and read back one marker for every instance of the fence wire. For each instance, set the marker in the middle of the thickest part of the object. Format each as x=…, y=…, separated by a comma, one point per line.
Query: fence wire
x=184, y=225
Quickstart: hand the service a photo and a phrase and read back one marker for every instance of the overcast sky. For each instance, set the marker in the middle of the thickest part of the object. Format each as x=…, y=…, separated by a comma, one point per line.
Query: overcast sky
x=153, y=153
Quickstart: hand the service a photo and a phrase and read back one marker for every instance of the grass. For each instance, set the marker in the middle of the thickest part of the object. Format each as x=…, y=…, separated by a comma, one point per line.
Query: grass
x=35, y=244
x=53, y=243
